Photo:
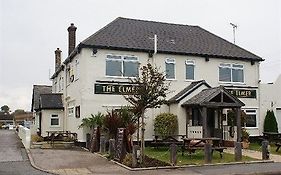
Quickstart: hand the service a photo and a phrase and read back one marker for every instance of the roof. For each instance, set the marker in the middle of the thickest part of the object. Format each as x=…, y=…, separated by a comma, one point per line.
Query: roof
x=215, y=97
x=137, y=35
x=37, y=91
x=51, y=101
x=6, y=116
x=186, y=91
x=132, y=34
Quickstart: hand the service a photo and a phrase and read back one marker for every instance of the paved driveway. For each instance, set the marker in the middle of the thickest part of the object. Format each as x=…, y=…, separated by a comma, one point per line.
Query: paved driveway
x=13, y=157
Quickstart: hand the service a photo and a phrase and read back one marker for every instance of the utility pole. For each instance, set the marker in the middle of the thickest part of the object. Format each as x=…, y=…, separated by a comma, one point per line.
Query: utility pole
x=234, y=26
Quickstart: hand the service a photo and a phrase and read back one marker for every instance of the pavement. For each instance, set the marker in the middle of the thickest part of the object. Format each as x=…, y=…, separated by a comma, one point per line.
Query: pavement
x=15, y=161
x=78, y=161
x=13, y=157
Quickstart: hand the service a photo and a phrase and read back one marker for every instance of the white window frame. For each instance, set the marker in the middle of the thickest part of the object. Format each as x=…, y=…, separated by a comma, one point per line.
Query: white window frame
x=72, y=114
x=192, y=63
x=251, y=113
x=232, y=67
x=56, y=117
x=122, y=60
x=170, y=61
x=77, y=69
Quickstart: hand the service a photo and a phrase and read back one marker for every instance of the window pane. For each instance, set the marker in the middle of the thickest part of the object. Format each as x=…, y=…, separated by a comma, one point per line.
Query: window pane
x=251, y=120
x=237, y=75
x=170, y=70
x=131, y=69
x=113, y=68
x=225, y=74
x=237, y=66
x=189, y=72
x=54, y=121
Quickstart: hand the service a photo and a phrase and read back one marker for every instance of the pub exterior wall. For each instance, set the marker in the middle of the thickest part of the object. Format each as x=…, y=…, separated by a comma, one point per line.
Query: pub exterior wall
x=92, y=69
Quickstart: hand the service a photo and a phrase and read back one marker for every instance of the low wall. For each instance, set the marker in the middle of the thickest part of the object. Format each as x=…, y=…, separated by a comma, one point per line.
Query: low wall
x=25, y=136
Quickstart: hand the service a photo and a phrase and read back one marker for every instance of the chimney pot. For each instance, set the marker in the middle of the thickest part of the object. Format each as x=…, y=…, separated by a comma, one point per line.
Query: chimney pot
x=71, y=38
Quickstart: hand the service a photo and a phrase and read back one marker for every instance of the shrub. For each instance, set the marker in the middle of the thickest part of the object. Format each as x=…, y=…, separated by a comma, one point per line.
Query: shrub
x=245, y=135
x=270, y=123
x=36, y=138
x=166, y=124
x=128, y=160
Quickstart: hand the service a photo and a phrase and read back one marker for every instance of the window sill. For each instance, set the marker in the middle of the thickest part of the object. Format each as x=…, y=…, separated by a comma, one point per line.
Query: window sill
x=118, y=77
x=171, y=79
x=55, y=126
x=238, y=83
x=189, y=80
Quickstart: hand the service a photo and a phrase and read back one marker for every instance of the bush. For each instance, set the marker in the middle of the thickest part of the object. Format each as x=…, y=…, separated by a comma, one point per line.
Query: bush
x=270, y=123
x=245, y=135
x=128, y=160
x=36, y=138
x=166, y=124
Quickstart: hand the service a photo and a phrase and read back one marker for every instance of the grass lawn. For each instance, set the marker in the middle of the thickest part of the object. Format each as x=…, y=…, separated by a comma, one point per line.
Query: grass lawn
x=196, y=158
x=257, y=147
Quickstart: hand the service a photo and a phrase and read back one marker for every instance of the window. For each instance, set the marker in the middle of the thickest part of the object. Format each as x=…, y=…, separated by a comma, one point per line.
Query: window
x=70, y=111
x=55, y=120
x=170, y=68
x=77, y=69
x=189, y=69
x=122, y=66
x=77, y=111
x=231, y=73
x=251, y=119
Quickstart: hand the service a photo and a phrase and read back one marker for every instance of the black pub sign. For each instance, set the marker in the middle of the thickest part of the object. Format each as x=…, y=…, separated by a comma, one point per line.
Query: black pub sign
x=114, y=89
x=243, y=93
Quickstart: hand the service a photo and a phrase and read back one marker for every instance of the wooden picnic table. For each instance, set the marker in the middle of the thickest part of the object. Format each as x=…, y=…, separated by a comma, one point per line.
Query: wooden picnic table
x=273, y=137
x=59, y=135
x=160, y=140
x=193, y=144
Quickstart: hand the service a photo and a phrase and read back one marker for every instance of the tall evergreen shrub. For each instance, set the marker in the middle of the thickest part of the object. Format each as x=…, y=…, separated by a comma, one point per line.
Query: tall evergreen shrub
x=270, y=123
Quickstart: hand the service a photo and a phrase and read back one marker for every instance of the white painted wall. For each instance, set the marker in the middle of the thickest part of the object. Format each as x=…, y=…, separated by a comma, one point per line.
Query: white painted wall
x=92, y=68
x=46, y=121
x=271, y=100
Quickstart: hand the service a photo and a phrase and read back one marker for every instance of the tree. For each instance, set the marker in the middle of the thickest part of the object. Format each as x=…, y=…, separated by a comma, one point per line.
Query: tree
x=151, y=90
x=5, y=108
x=270, y=123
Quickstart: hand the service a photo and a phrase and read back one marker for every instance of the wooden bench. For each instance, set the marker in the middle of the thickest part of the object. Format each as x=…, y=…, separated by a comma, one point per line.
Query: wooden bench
x=278, y=145
x=166, y=141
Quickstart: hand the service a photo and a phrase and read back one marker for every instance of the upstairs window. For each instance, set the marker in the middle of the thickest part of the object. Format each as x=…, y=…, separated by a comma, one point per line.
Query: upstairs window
x=170, y=68
x=77, y=69
x=189, y=69
x=122, y=66
x=231, y=73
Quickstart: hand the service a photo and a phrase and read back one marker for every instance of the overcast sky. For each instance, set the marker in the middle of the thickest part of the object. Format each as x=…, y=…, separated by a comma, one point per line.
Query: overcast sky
x=31, y=30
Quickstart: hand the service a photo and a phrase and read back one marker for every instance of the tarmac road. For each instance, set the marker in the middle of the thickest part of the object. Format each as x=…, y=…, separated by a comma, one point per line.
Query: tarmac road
x=13, y=157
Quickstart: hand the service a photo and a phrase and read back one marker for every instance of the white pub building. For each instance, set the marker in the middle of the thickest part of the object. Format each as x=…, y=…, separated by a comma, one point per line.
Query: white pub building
x=203, y=70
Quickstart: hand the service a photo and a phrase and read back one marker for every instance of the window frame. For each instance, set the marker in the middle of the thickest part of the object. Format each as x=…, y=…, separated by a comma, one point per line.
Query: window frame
x=251, y=113
x=192, y=63
x=77, y=69
x=122, y=60
x=73, y=111
x=57, y=118
x=170, y=61
x=232, y=67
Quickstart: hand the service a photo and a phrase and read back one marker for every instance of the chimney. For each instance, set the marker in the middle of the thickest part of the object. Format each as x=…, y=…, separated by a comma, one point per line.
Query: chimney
x=71, y=37
x=57, y=59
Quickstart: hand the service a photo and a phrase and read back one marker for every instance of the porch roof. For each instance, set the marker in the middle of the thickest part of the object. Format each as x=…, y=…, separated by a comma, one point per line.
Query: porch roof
x=214, y=97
